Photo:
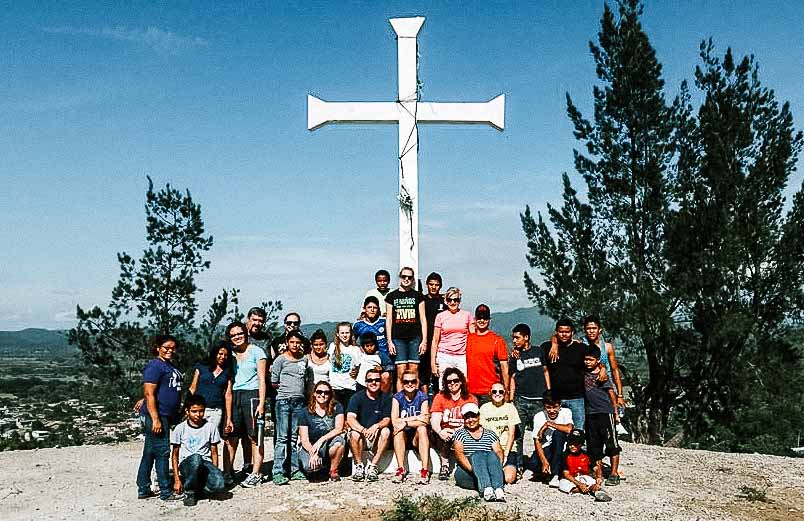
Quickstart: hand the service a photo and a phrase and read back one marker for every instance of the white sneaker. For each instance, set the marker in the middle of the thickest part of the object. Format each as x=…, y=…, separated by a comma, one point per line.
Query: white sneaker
x=554, y=482
x=499, y=495
x=358, y=474
x=488, y=494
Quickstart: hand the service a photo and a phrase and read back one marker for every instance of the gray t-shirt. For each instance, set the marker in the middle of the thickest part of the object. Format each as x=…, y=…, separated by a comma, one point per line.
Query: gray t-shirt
x=289, y=374
x=195, y=440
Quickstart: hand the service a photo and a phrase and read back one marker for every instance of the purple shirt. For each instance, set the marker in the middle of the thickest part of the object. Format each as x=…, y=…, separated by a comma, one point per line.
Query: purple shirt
x=168, y=382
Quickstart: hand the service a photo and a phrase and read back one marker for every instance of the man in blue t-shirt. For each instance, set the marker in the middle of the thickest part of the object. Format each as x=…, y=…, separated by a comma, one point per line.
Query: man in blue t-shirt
x=410, y=416
x=368, y=415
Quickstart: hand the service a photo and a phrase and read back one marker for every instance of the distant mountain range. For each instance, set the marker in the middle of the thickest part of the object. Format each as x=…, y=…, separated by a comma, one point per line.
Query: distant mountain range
x=54, y=342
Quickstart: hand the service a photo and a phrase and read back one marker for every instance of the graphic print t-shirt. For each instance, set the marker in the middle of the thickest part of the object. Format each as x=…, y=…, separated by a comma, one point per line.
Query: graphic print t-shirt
x=451, y=409
x=406, y=319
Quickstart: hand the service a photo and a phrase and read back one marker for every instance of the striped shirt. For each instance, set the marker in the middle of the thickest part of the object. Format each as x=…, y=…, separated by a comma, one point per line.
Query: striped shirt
x=471, y=445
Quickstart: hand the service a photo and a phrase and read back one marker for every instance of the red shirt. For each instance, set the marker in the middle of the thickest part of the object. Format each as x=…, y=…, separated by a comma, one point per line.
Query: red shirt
x=481, y=351
x=451, y=409
x=578, y=464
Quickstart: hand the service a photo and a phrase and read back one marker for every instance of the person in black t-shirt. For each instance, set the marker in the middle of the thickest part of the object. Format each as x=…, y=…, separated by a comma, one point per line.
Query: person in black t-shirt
x=567, y=372
x=406, y=325
x=433, y=305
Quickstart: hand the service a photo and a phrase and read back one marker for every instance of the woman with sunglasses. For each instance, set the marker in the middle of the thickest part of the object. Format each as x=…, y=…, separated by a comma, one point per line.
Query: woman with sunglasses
x=452, y=328
x=502, y=418
x=406, y=325
x=321, y=440
x=479, y=456
x=445, y=414
x=248, y=402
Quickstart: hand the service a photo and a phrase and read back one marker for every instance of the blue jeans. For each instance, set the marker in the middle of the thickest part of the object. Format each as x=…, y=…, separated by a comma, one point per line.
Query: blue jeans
x=155, y=452
x=578, y=408
x=553, y=453
x=407, y=350
x=526, y=409
x=199, y=474
x=486, y=472
x=287, y=434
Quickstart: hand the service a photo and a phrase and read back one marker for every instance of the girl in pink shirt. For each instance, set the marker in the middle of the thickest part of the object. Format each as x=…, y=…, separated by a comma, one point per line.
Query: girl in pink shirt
x=449, y=337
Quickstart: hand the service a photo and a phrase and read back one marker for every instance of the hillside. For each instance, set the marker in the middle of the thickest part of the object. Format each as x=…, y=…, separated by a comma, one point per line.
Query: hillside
x=98, y=483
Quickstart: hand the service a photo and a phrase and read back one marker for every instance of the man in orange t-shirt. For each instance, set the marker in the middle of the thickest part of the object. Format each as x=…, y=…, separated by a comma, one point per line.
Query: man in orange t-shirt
x=484, y=349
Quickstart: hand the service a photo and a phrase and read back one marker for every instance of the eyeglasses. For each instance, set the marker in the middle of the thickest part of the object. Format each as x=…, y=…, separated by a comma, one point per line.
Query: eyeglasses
x=411, y=382
x=172, y=348
x=372, y=380
x=292, y=322
x=498, y=391
x=406, y=277
x=477, y=319
x=470, y=416
x=453, y=300
x=323, y=392
x=237, y=335
x=453, y=381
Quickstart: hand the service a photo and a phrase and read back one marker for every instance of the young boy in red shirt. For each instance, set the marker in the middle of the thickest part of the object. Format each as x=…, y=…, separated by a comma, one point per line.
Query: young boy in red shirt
x=576, y=473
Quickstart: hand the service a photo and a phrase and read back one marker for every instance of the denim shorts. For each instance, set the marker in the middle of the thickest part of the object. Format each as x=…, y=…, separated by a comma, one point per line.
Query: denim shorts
x=407, y=350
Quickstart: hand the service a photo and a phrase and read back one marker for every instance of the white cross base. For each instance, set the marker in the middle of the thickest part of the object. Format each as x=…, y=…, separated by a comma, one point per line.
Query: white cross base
x=407, y=111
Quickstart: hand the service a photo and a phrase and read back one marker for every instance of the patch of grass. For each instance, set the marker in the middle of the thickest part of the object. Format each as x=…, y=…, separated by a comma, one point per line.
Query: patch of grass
x=754, y=494
x=438, y=508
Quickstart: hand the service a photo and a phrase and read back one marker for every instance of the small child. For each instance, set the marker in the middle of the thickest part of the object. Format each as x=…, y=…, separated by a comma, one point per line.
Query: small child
x=195, y=453
x=550, y=429
x=576, y=474
x=601, y=415
x=369, y=360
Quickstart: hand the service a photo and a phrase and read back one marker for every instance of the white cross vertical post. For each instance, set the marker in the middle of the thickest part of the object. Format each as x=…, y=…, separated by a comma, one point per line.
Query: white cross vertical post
x=407, y=112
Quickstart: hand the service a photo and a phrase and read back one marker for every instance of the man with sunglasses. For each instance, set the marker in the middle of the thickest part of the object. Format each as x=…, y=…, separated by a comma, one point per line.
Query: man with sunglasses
x=368, y=415
x=486, y=357
x=406, y=324
x=292, y=322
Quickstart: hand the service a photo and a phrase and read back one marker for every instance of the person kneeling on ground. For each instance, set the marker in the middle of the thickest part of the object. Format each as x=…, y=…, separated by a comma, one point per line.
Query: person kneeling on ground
x=550, y=429
x=576, y=474
x=321, y=433
x=479, y=456
x=410, y=417
x=195, y=453
x=369, y=418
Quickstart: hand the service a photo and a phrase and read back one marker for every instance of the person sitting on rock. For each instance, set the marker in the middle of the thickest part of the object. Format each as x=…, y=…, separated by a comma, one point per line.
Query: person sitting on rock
x=410, y=417
x=445, y=414
x=550, y=429
x=195, y=453
x=321, y=444
x=577, y=472
x=368, y=415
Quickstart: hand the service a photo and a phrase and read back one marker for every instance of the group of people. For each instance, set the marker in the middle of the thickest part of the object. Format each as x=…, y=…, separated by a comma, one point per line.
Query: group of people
x=413, y=371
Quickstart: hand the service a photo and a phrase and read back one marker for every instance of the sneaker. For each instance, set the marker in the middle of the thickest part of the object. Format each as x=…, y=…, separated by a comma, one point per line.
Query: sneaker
x=613, y=480
x=334, y=476
x=358, y=474
x=443, y=474
x=400, y=475
x=173, y=497
x=553, y=482
x=520, y=473
x=147, y=495
x=371, y=473
x=251, y=481
x=424, y=477
x=190, y=500
x=280, y=479
x=499, y=495
x=488, y=494
x=298, y=476
x=601, y=496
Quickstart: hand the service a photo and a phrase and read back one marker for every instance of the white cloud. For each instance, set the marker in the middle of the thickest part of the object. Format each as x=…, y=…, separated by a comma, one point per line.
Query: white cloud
x=165, y=42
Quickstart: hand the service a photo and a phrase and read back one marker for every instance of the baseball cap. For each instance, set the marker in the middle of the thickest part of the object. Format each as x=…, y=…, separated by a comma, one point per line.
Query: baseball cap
x=576, y=436
x=470, y=408
x=483, y=311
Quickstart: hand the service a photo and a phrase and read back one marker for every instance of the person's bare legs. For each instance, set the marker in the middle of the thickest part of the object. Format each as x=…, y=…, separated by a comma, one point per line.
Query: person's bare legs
x=422, y=441
x=257, y=456
x=335, y=456
x=399, y=448
x=229, y=453
x=509, y=473
x=356, y=445
x=384, y=437
x=245, y=441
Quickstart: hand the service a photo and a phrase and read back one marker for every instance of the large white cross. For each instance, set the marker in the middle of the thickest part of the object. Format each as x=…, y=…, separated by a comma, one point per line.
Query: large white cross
x=407, y=110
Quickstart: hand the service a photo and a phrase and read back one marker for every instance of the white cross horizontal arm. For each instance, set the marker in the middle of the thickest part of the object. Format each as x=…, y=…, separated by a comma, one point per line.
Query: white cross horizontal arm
x=320, y=112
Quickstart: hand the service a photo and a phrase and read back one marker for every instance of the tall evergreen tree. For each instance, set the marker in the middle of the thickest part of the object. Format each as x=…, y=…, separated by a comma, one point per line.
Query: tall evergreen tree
x=627, y=151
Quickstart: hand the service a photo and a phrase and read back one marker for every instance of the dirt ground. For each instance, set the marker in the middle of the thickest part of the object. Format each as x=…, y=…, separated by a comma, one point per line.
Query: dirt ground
x=98, y=483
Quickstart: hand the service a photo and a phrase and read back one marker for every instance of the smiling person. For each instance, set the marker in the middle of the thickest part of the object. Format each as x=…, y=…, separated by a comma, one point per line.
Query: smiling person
x=410, y=418
x=449, y=337
x=213, y=381
x=566, y=373
x=486, y=357
x=287, y=377
x=502, y=417
x=318, y=362
x=433, y=305
x=407, y=324
x=321, y=443
x=445, y=414
x=161, y=385
x=369, y=418
x=382, y=279
x=248, y=401
x=479, y=457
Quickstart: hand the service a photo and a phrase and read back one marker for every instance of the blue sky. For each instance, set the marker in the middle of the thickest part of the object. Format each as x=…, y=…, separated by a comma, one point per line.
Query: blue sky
x=211, y=97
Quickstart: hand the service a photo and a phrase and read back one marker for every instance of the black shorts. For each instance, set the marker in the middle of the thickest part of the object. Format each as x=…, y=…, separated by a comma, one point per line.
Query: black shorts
x=244, y=403
x=601, y=436
x=510, y=460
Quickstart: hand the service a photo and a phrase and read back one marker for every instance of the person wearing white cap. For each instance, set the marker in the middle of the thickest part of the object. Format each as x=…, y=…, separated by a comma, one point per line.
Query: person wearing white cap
x=479, y=456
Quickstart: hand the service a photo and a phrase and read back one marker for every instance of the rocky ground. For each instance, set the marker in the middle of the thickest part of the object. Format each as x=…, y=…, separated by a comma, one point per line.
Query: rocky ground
x=97, y=483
